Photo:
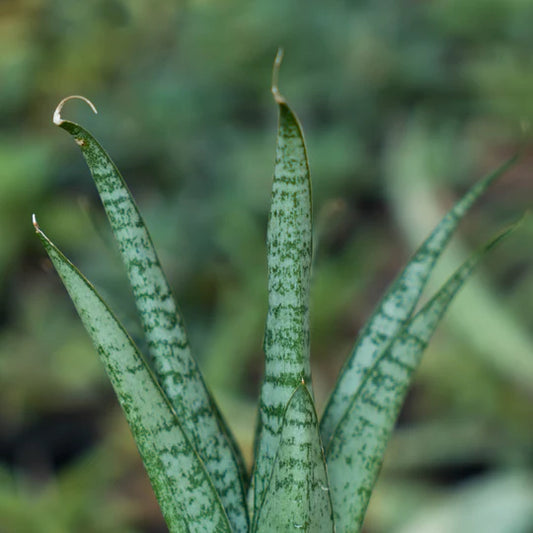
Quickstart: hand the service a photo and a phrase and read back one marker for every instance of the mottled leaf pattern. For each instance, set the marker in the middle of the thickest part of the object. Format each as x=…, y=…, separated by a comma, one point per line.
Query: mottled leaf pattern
x=186, y=494
x=396, y=307
x=297, y=497
x=194, y=465
x=289, y=250
x=355, y=451
x=174, y=365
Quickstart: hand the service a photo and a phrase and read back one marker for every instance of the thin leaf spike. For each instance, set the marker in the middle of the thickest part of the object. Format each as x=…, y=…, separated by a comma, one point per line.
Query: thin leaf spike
x=175, y=368
x=396, y=307
x=356, y=449
x=289, y=250
x=297, y=497
x=181, y=482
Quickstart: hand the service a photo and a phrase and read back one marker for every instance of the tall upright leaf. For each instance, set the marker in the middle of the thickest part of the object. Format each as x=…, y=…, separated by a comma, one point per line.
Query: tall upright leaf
x=355, y=451
x=482, y=320
x=396, y=307
x=289, y=250
x=297, y=497
x=181, y=482
x=176, y=369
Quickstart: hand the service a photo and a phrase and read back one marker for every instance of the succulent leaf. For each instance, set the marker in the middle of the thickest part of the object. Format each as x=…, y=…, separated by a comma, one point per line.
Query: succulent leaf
x=297, y=497
x=289, y=250
x=396, y=307
x=355, y=451
x=180, y=479
x=174, y=365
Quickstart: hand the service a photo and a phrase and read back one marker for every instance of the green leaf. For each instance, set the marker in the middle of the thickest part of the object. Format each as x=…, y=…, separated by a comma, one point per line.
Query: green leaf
x=396, y=307
x=297, y=497
x=181, y=482
x=176, y=369
x=355, y=451
x=289, y=250
x=482, y=321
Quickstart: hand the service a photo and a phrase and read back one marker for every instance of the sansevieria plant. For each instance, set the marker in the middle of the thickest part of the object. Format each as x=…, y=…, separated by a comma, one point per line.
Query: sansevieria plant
x=308, y=475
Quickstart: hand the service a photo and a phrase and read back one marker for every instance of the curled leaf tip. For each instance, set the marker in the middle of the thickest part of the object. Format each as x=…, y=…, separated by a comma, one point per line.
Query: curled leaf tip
x=34, y=222
x=57, y=113
x=275, y=76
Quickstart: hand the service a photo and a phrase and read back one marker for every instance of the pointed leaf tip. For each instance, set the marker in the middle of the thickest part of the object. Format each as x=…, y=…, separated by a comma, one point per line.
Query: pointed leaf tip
x=57, y=120
x=35, y=224
x=505, y=232
x=289, y=255
x=275, y=77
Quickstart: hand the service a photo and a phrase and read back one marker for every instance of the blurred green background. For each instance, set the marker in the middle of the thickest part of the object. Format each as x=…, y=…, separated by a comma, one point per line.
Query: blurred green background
x=404, y=104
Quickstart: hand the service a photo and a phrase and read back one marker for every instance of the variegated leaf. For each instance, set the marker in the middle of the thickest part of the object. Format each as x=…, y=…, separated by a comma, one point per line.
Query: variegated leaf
x=289, y=250
x=396, y=307
x=181, y=482
x=176, y=369
x=355, y=451
x=297, y=497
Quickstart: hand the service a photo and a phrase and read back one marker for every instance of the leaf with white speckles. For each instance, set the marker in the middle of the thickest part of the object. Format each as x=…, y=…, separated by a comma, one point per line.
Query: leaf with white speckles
x=356, y=449
x=289, y=250
x=396, y=308
x=181, y=482
x=297, y=497
x=174, y=366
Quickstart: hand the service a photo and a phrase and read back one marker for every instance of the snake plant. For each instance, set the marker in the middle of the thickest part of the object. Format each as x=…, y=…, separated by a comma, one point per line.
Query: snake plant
x=308, y=475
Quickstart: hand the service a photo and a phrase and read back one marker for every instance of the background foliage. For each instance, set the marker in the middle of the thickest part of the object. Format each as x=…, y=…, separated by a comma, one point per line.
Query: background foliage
x=403, y=103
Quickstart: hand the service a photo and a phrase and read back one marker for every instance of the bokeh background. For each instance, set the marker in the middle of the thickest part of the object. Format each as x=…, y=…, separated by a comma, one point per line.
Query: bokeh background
x=404, y=104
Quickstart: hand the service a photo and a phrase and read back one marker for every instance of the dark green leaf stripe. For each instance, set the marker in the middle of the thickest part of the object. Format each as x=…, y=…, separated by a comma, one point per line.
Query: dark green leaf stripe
x=174, y=365
x=184, y=489
x=286, y=342
x=297, y=497
x=396, y=307
x=355, y=451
